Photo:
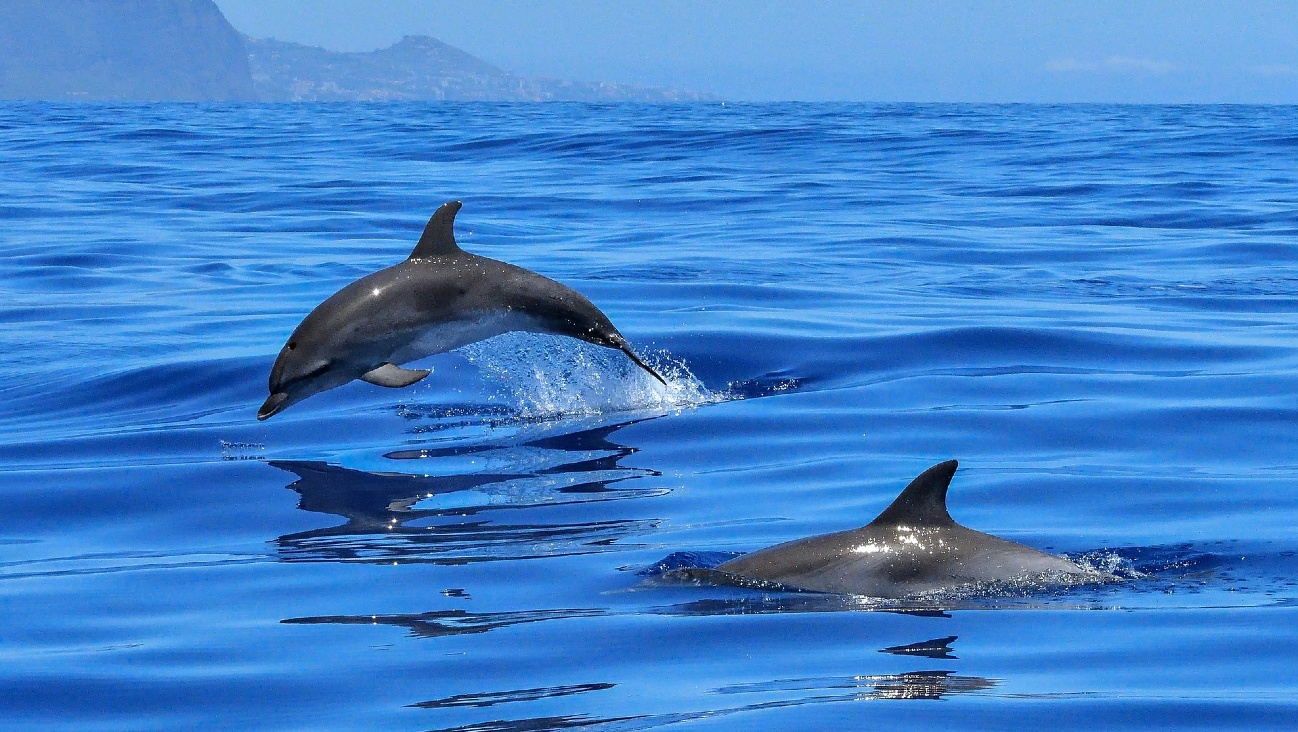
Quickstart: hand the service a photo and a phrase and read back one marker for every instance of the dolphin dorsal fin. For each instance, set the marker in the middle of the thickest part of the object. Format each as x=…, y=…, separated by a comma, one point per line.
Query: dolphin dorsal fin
x=439, y=234
x=923, y=502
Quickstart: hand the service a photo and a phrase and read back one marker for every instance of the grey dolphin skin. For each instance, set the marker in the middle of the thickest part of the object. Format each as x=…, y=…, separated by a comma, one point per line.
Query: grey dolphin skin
x=437, y=300
x=912, y=548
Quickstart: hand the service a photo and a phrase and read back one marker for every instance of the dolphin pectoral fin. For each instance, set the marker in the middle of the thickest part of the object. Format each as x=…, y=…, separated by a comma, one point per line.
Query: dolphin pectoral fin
x=393, y=376
x=632, y=355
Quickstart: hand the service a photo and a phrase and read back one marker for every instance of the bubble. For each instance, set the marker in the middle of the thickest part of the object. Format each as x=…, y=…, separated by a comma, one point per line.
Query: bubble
x=1109, y=562
x=543, y=377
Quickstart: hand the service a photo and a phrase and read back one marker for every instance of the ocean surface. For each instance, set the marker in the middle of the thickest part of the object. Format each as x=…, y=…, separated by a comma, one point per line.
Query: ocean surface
x=1093, y=308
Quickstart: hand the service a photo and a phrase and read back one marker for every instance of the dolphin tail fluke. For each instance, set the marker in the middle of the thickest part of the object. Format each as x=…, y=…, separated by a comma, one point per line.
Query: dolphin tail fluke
x=639, y=362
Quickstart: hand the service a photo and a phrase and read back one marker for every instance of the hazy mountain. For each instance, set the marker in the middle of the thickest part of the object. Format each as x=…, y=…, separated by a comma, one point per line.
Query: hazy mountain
x=185, y=50
x=417, y=67
x=120, y=49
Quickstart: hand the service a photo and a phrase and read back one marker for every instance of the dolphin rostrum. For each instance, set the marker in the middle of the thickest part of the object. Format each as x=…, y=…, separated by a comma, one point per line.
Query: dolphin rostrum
x=439, y=299
x=912, y=548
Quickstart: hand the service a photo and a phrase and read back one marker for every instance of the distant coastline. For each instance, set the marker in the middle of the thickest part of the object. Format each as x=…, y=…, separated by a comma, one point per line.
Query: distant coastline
x=186, y=50
x=418, y=68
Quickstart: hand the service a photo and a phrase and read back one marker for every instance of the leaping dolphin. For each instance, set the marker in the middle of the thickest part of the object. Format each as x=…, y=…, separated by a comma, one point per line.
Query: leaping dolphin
x=912, y=548
x=439, y=299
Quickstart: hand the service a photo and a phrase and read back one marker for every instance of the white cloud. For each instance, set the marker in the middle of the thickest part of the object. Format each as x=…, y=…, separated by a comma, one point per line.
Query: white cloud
x=1274, y=69
x=1145, y=65
x=1112, y=64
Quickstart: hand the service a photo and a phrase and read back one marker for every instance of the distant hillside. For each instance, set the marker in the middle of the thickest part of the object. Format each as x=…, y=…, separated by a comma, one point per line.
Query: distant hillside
x=185, y=50
x=181, y=50
x=416, y=68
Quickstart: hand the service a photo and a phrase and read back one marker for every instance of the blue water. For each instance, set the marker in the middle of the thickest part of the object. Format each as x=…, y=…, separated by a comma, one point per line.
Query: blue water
x=1093, y=308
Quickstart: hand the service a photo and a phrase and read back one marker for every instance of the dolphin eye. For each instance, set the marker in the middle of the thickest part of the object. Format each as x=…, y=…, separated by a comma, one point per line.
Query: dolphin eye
x=291, y=345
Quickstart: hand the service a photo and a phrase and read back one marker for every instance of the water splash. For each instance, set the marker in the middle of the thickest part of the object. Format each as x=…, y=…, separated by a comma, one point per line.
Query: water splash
x=1110, y=562
x=544, y=377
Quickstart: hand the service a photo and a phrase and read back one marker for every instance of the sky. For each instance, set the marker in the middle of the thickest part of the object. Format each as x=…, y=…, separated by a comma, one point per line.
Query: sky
x=1144, y=51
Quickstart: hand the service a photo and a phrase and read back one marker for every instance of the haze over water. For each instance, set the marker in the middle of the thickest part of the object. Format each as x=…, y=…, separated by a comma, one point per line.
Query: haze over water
x=1091, y=307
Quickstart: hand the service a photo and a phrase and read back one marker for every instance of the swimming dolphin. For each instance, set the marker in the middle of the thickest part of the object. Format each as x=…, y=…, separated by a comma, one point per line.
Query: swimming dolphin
x=437, y=300
x=912, y=548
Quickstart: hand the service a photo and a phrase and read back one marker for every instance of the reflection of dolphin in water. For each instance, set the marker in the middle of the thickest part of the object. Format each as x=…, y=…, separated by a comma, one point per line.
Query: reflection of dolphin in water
x=399, y=516
x=911, y=685
x=439, y=299
x=912, y=548
x=373, y=501
x=935, y=648
x=440, y=623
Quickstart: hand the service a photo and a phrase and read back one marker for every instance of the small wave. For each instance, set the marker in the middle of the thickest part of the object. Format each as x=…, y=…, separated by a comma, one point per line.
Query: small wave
x=155, y=134
x=684, y=561
x=488, y=699
x=127, y=561
x=768, y=384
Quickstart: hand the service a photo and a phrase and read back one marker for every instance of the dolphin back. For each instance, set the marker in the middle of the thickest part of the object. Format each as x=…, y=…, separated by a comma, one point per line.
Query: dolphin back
x=912, y=547
x=440, y=298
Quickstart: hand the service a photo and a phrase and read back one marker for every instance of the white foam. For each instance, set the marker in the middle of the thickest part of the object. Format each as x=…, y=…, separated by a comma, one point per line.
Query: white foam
x=543, y=377
x=1108, y=562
